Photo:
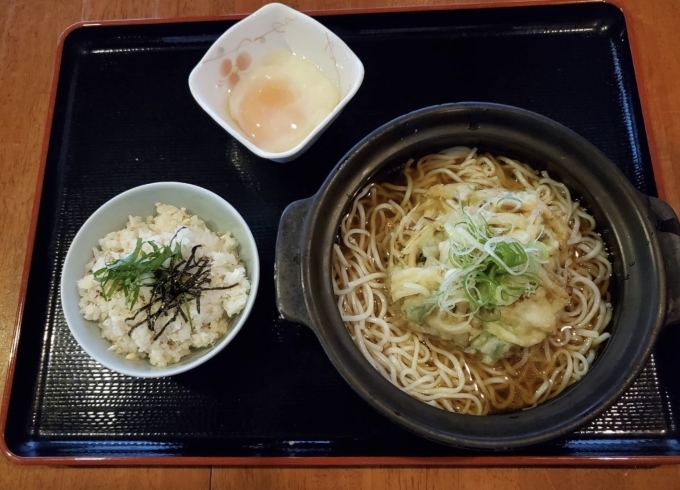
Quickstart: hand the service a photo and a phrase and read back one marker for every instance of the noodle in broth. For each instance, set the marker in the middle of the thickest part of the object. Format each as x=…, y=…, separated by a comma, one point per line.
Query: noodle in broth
x=433, y=364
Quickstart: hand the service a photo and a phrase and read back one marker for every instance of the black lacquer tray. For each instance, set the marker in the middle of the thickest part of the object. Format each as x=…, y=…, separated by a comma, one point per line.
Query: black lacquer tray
x=123, y=116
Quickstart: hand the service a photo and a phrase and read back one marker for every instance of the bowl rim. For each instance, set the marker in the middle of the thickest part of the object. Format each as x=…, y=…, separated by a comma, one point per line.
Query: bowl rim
x=321, y=126
x=210, y=352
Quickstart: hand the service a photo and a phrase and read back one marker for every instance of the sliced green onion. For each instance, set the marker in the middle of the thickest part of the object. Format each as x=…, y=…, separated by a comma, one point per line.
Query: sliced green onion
x=511, y=253
x=515, y=203
x=488, y=314
x=489, y=270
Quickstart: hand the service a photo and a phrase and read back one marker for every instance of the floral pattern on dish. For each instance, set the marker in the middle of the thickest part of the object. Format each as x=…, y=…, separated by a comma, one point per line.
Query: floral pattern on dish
x=329, y=49
x=230, y=70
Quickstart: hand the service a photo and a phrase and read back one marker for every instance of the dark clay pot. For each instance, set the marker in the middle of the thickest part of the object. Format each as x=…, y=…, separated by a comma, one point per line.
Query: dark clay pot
x=641, y=234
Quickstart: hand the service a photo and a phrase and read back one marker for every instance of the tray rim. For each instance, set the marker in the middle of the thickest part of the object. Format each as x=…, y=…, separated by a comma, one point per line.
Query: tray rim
x=310, y=461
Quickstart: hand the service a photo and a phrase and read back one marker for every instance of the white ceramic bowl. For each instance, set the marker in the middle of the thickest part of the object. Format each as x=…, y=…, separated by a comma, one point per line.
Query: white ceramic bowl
x=218, y=215
x=274, y=26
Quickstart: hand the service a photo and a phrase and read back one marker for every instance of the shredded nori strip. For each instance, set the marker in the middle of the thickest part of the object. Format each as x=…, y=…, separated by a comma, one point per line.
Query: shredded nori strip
x=174, y=287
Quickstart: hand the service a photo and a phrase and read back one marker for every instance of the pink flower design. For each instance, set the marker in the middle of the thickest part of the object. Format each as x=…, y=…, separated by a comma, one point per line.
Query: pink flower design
x=230, y=70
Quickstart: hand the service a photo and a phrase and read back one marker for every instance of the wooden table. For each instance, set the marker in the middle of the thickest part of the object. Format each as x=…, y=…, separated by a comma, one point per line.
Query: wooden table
x=28, y=42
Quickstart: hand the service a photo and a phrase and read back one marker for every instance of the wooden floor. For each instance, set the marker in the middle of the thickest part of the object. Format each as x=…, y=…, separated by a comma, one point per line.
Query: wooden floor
x=29, y=32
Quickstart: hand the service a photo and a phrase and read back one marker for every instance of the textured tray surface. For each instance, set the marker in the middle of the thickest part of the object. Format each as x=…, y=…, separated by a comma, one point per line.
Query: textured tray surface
x=124, y=117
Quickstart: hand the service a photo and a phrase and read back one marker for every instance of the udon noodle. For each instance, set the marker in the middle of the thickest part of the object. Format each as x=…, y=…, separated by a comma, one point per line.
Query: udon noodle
x=472, y=282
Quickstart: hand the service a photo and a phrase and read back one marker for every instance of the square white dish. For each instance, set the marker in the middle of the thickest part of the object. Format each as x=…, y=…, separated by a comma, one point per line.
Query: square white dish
x=245, y=44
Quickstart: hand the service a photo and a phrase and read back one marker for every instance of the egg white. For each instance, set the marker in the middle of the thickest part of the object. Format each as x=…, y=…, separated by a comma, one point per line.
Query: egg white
x=281, y=101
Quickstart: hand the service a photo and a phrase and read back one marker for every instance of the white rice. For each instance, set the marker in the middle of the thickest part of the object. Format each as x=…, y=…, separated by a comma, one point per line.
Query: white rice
x=176, y=341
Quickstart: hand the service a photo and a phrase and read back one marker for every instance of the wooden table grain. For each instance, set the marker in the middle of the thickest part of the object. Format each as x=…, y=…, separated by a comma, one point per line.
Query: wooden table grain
x=29, y=33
